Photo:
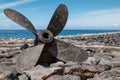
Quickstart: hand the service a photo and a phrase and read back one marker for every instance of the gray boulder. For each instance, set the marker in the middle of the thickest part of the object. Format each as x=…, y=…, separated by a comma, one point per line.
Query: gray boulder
x=107, y=75
x=23, y=77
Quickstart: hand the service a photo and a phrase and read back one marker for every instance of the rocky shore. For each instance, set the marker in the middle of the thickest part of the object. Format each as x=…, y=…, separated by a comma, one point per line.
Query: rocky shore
x=103, y=62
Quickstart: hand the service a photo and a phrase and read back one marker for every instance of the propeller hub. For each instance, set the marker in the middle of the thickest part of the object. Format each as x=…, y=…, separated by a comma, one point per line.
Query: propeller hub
x=45, y=36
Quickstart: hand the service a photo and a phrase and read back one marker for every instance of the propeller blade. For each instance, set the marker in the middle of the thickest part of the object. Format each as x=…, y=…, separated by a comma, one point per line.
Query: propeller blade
x=58, y=20
x=46, y=57
x=20, y=19
x=67, y=52
x=28, y=58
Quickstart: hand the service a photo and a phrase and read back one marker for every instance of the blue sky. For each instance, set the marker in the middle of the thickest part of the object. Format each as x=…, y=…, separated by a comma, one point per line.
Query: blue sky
x=83, y=14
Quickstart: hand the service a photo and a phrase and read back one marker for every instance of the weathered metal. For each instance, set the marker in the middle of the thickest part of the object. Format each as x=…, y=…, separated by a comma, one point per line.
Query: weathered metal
x=47, y=48
x=58, y=20
x=20, y=19
x=28, y=58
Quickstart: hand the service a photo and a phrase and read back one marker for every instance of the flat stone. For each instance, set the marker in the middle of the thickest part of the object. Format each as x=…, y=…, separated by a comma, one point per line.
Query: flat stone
x=56, y=77
x=39, y=72
x=105, y=61
x=71, y=67
x=57, y=64
x=107, y=75
x=66, y=77
x=71, y=77
x=90, y=60
x=70, y=63
x=79, y=75
x=97, y=68
x=23, y=77
x=90, y=67
x=7, y=75
x=116, y=62
x=116, y=54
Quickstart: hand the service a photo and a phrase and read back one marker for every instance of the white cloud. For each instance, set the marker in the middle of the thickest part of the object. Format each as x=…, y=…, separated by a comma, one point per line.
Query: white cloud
x=100, y=19
x=100, y=12
x=116, y=24
x=6, y=5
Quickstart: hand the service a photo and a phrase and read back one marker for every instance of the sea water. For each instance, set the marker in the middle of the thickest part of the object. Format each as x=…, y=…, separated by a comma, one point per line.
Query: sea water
x=28, y=34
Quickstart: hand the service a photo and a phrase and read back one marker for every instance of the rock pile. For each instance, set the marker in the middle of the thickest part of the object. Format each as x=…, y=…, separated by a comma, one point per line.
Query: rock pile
x=16, y=41
x=107, y=39
x=102, y=64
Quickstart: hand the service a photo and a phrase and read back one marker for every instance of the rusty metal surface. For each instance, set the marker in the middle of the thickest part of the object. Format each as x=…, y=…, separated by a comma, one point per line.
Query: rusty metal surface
x=58, y=20
x=20, y=19
x=28, y=58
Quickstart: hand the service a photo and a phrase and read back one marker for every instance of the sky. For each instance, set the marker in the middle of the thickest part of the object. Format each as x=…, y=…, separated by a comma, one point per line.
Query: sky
x=83, y=14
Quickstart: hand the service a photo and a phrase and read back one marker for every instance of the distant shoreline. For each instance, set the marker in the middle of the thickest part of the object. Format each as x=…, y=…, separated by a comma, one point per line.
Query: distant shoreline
x=90, y=34
x=71, y=35
x=27, y=34
x=107, y=39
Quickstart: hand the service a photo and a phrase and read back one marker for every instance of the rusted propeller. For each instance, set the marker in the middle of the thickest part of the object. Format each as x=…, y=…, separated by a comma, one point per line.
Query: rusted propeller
x=47, y=48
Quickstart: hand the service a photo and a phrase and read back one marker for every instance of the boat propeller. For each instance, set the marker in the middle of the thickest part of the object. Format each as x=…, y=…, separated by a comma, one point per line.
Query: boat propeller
x=46, y=48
